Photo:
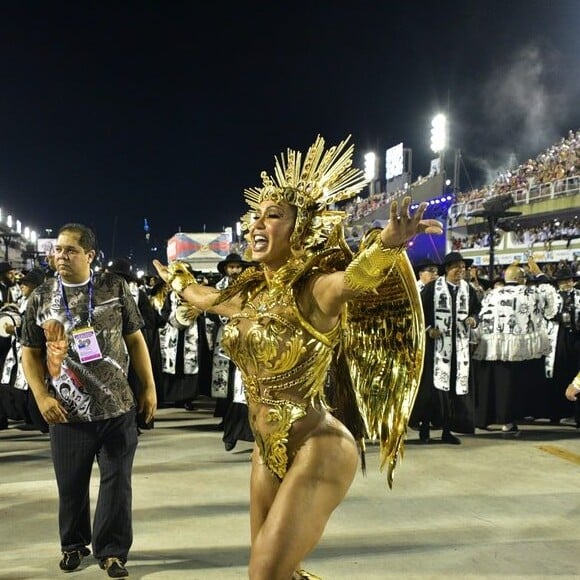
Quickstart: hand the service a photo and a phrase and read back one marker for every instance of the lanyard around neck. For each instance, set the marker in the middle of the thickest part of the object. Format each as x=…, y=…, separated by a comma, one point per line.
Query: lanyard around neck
x=65, y=301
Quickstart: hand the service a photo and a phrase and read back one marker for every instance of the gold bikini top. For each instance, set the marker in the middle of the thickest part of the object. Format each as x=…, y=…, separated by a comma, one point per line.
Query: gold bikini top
x=279, y=354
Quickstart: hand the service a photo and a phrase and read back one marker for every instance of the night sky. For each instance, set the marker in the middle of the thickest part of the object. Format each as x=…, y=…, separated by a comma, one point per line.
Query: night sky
x=116, y=112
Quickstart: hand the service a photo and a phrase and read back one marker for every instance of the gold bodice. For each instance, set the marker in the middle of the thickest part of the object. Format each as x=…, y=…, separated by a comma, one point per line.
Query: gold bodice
x=283, y=361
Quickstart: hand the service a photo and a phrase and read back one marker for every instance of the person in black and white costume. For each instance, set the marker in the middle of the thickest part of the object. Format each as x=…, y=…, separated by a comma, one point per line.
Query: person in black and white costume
x=152, y=319
x=226, y=381
x=15, y=396
x=564, y=332
x=185, y=355
x=426, y=271
x=450, y=306
x=9, y=294
x=512, y=345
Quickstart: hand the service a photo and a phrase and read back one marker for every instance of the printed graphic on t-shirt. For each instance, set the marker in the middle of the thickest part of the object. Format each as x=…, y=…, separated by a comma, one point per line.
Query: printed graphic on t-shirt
x=93, y=389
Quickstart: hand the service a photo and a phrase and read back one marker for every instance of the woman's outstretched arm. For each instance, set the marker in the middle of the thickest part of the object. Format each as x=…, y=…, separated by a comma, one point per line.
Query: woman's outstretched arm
x=202, y=297
x=330, y=292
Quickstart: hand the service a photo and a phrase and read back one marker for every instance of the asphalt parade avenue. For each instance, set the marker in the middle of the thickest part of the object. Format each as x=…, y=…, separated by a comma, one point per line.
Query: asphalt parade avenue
x=494, y=507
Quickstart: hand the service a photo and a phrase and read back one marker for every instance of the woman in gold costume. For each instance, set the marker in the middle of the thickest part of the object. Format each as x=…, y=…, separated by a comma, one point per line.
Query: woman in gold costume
x=286, y=319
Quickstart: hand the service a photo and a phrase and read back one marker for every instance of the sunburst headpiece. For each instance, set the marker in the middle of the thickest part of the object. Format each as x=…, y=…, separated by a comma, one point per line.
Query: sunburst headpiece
x=325, y=177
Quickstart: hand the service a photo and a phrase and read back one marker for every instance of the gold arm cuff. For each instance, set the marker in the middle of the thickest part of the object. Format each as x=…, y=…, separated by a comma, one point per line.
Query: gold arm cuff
x=372, y=266
x=180, y=277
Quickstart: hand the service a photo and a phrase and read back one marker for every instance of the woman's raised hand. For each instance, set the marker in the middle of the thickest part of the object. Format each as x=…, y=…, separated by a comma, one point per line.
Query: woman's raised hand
x=402, y=225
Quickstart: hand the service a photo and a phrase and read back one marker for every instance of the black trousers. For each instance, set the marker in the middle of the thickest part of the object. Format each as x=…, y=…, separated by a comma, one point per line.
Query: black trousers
x=509, y=391
x=74, y=448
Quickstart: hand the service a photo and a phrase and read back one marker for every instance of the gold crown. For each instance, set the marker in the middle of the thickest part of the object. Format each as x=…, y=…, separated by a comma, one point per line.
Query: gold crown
x=325, y=177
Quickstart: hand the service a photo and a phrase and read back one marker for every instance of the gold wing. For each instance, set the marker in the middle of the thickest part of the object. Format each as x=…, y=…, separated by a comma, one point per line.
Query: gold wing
x=384, y=347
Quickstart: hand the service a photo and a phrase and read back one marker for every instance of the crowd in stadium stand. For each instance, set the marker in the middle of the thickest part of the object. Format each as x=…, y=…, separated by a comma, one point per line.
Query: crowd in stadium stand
x=544, y=233
x=479, y=240
x=549, y=231
x=361, y=208
x=558, y=162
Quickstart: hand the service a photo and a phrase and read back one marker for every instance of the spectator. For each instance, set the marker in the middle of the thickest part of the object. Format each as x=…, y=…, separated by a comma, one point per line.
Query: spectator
x=80, y=330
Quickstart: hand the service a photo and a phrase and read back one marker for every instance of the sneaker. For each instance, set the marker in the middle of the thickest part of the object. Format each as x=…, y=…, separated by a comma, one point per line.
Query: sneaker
x=115, y=567
x=510, y=428
x=71, y=559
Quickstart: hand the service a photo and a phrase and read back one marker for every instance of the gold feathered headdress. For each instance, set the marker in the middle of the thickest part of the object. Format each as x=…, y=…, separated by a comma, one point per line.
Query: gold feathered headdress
x=312, y=186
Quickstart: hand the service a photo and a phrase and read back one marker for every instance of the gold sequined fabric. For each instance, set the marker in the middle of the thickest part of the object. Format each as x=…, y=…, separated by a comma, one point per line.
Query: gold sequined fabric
x=371, y=266
x=384, y=343
x=283, y=363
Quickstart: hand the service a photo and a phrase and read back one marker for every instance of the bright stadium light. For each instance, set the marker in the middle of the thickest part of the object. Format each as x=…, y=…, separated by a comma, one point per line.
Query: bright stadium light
x=370, y=166
x=371, y=171
x=439, y=133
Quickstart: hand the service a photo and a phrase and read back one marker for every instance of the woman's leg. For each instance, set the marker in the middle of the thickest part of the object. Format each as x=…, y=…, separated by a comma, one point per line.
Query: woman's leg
x=289, y=518
x=263, y=488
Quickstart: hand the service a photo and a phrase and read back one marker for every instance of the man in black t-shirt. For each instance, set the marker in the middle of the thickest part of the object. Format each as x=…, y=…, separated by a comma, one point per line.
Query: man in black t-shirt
x=80, y=333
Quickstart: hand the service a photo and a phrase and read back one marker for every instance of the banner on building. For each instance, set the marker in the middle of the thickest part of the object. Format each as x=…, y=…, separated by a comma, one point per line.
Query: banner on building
x=201, y=250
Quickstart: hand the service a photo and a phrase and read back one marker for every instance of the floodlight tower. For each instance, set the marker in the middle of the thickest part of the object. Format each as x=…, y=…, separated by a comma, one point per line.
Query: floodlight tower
x=371, y=170
x=439, y=138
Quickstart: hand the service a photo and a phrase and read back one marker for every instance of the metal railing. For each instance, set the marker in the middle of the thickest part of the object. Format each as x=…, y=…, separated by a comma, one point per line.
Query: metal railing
x=522, y=195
